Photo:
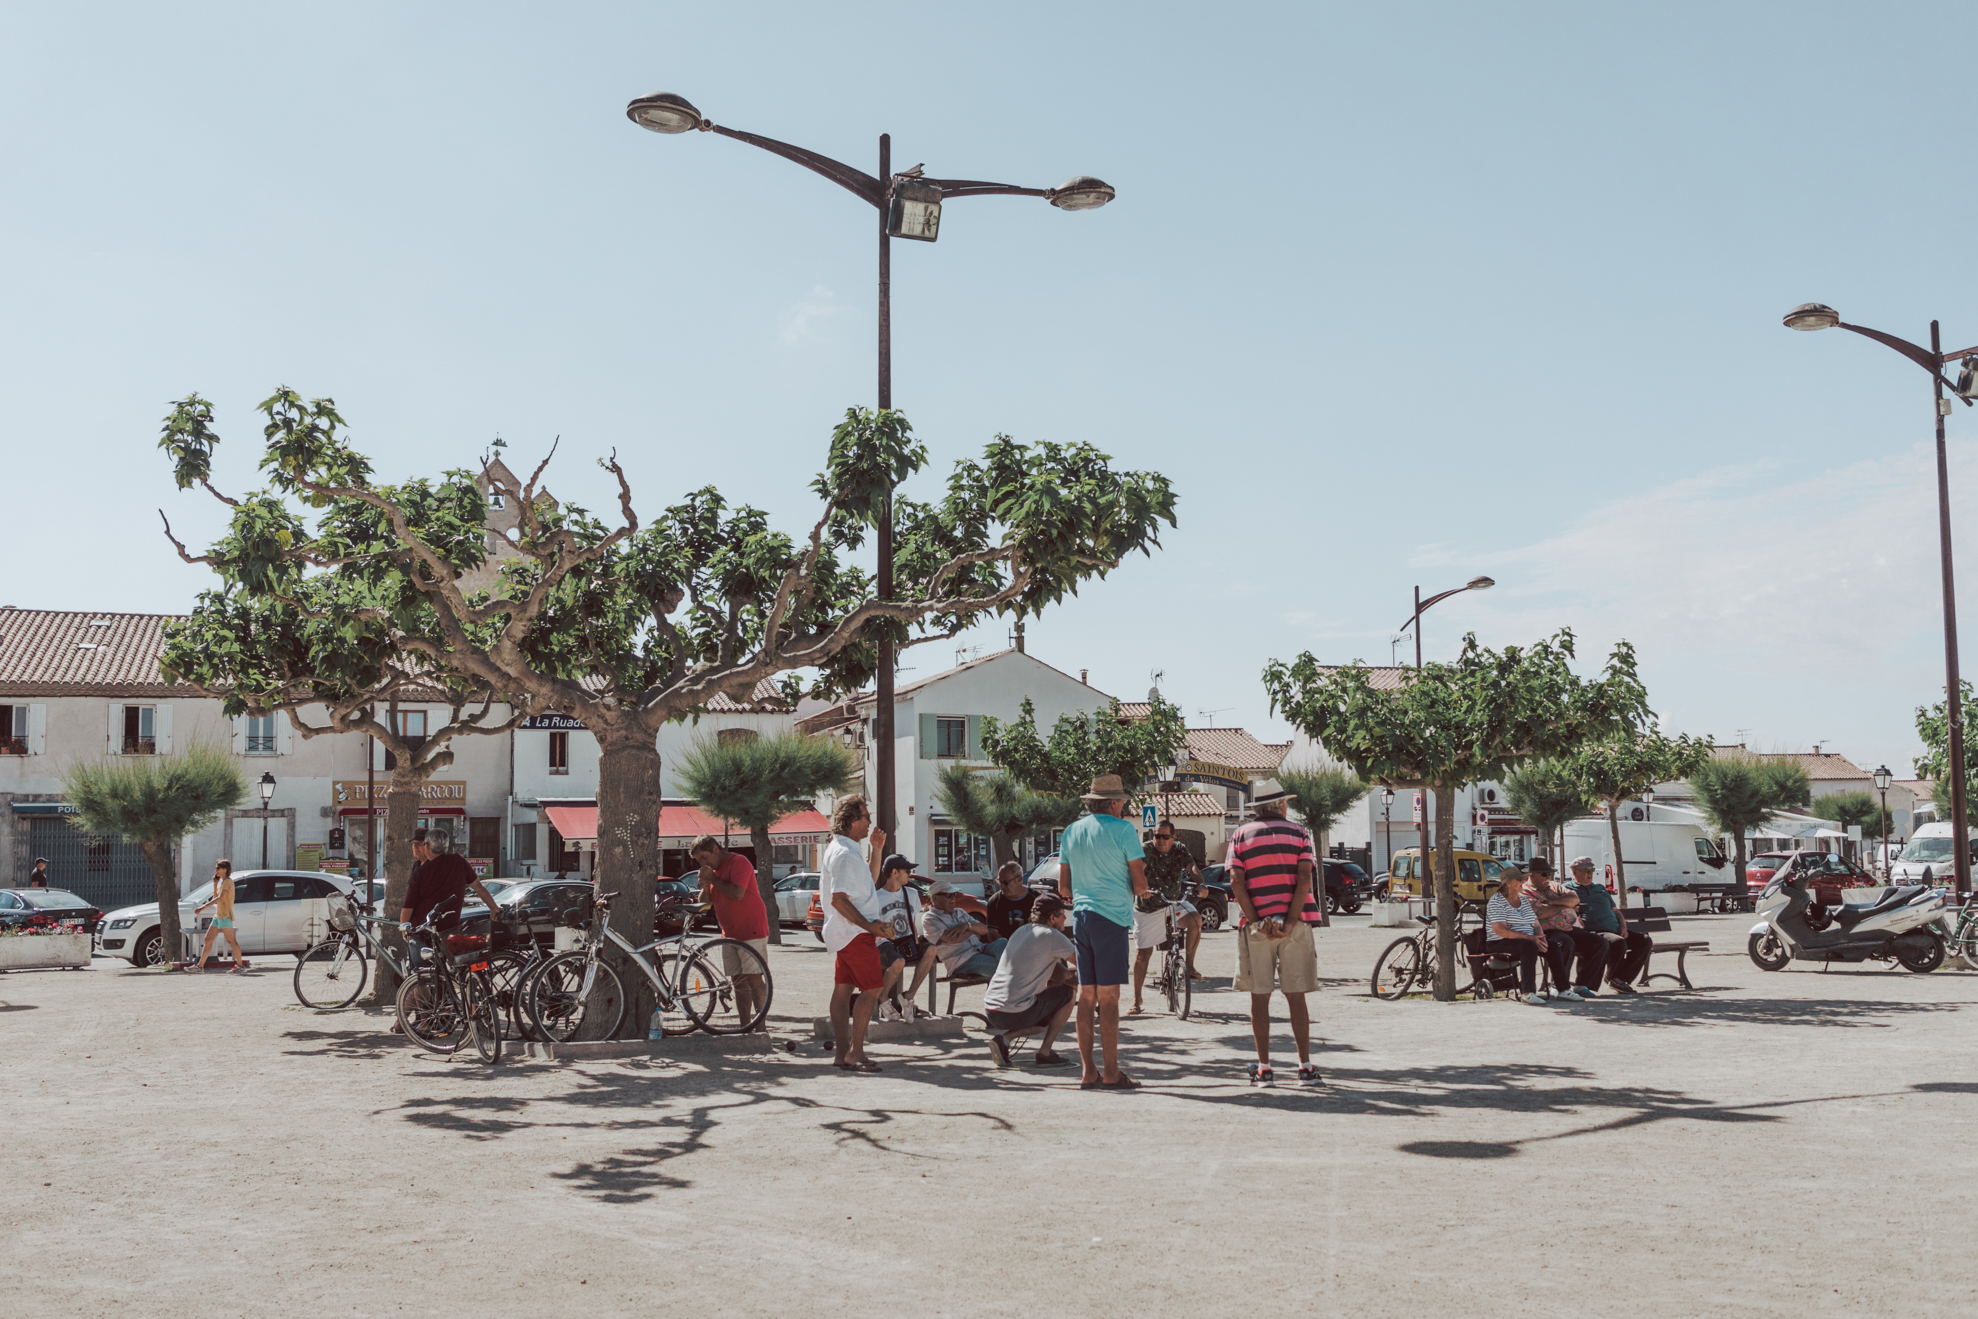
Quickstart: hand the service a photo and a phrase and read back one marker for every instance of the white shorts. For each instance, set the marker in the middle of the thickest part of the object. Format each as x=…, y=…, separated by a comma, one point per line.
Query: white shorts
x=1150, y=928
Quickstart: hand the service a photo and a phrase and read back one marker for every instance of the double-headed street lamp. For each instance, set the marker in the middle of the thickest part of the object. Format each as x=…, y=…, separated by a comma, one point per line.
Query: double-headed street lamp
x=1415, y=619
x=1818, y=316
x=909, y=206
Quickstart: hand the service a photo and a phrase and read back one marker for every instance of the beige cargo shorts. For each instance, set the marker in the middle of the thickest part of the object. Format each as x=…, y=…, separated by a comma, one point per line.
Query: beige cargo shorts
x=1290, y=964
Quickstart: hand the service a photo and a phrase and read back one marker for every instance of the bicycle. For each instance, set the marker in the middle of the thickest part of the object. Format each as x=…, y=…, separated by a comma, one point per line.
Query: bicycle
x=333, y=972
x=1175, y=982
x=577, y=990
x=1410, y=961
x=453, y=997
x=1961, y=933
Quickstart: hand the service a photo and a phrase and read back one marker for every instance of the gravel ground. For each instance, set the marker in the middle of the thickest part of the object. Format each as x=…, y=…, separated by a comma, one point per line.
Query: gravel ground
x=1783, y=1144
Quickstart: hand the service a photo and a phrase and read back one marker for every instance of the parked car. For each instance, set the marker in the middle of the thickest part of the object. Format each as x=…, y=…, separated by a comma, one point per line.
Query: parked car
x=1044, y=875
x=687, y=888
x=1347, y=886
x=533, y=908
x=793, y=897
x=46, y=906
x=1758, y=869
x=1476, y=874
x=1821, y=870
x=269, y=916
x=1216, y=905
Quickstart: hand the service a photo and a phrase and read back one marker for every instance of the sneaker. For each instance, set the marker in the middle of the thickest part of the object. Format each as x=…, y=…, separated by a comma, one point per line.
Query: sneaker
x=1538, y=996
x=1620, y=987
x=1308, y=1074
x=908, y=1012
x=1583, y=994
x=1261, y=1074
x=999, y=1049
x=887, y=1012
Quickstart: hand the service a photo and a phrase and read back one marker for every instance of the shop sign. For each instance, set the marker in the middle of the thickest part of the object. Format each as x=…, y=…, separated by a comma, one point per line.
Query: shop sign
x=555, y=723
x=434, y=792
x=1207, y=771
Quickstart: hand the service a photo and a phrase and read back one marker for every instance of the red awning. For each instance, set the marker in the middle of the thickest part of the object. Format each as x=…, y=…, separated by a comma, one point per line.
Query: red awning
x=573, y=821
x=679, y=826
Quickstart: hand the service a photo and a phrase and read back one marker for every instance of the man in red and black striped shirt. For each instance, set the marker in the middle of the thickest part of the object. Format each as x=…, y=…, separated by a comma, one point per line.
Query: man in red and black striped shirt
x=1271, y=865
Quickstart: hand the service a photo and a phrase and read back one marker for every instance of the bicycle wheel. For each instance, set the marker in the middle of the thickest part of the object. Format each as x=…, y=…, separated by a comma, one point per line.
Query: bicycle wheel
x=483, y=1012
x=558, y=1007
x=331, y=975
x=428, y=1014
x=725, y=987
x=507, y=970
x=1968, y=944
x=1182, y=997
x=1172, y=981
x=1398, y=970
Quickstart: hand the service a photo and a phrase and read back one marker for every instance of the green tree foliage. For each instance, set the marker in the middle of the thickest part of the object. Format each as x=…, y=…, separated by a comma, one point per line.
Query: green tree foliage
x=1738, y=793
x=1933, y=726
x=1617, y=769
x=999, y=808
x=1321, y=794
x=627, y=626
x=1547, y=796
x=1851, y=808
x=1454, y=724
x=154, y=801
x=1082, y=747
x=757, y=781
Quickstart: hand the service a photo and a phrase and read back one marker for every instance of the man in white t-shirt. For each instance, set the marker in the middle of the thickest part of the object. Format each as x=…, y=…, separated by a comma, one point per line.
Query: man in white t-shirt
x=1032, y=989
x=851, y=931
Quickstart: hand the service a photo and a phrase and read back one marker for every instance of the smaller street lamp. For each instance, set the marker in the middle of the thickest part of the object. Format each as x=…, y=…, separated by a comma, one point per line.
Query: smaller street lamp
x=1421, y=607
x=267, y=786
x=1882, y=778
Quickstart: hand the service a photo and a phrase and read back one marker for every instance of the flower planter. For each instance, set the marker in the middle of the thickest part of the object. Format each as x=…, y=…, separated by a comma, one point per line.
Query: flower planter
x=36, y=952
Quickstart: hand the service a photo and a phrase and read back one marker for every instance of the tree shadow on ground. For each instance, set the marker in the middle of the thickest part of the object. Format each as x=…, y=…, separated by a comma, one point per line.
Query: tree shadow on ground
x=1687, y=1010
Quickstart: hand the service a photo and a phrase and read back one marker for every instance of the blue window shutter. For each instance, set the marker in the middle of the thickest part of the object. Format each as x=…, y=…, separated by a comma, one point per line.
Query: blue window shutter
x=927, y=734
x=975, y=737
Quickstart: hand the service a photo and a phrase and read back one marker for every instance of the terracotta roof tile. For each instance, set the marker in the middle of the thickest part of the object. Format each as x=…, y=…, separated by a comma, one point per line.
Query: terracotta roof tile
x=58, y=652
x=1188, y=804
x=766, y=699
x=1235, y=748
x=1819, y=767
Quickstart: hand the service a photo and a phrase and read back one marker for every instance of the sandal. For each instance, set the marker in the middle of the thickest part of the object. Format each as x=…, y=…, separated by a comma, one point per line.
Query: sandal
x=859, y=1067
x=1135, y=1010
x=1050, y=1060
x=1125, y=1082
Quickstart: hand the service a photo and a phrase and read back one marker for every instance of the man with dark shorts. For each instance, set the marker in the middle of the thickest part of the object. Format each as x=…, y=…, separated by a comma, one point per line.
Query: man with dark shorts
x=1031, y=991
x=1100, y=873
x=1627, y=950
x=438, y=887
x=848, y=896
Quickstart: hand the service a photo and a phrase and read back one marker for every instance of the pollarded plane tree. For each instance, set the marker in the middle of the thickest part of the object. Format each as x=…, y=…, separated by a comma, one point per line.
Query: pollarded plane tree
x=1453, y=724
x=317, y=619
x=628, y=626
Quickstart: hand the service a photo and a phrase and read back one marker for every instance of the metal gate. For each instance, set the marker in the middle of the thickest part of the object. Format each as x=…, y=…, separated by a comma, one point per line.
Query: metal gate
x=100, y=868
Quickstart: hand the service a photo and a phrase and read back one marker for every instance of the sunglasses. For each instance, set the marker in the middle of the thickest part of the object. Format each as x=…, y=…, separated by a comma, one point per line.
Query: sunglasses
x=1164, y=838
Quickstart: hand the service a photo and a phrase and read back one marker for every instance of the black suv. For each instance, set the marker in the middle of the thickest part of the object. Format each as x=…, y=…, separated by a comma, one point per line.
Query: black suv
x=1347, y=886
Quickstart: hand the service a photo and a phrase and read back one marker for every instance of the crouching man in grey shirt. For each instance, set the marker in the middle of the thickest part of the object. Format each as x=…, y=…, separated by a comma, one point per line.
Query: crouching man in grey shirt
x=1032, y=990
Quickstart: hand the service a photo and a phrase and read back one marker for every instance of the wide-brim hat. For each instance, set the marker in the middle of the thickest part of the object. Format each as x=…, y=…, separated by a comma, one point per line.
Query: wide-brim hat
x=1107, y=787
x=1269, y=793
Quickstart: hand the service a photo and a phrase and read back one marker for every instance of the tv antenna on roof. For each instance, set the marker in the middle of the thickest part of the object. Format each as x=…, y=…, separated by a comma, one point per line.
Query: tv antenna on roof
x=1210, y=715
x=1154, y=692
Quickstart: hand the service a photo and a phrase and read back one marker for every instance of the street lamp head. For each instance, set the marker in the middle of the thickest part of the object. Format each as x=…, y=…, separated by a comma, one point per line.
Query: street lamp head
x=663, y=112
x=1480, y=583
x=1083, y=193
x=1387, y=796
x=267, y=788
x=1882, y=778
x=1812, y=316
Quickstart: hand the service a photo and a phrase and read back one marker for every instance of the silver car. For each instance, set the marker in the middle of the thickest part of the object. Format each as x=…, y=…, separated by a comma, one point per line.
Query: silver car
x=793, y=895
x=270, y=916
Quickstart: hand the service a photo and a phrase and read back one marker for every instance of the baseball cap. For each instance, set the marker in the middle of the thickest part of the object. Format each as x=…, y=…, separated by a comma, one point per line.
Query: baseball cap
x=895, y=862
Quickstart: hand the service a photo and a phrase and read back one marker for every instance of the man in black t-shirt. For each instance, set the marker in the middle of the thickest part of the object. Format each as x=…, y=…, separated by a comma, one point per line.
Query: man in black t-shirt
x=1009, y=910
x=438, y=887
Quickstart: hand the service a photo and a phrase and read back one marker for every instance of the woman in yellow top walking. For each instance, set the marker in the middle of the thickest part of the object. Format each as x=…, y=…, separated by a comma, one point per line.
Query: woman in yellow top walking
x=223, y=919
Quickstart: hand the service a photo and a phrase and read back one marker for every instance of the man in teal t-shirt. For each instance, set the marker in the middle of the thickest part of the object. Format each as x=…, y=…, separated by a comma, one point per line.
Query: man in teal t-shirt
x=1100, y=872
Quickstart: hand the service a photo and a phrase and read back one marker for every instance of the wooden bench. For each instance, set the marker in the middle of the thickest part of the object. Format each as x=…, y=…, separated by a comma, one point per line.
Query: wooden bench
x=1654, y=921
x=939, y=976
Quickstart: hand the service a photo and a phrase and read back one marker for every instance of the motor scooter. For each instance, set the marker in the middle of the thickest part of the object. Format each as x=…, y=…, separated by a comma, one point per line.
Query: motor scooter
x=1796, y=925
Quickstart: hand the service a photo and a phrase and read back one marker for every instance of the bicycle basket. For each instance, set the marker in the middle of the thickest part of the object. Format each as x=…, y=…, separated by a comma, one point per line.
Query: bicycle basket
x=342, y=919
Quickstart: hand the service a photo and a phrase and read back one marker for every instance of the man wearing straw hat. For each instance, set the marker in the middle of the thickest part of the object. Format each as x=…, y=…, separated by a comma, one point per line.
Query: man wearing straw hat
x=1271, y=875
x=1100, y=873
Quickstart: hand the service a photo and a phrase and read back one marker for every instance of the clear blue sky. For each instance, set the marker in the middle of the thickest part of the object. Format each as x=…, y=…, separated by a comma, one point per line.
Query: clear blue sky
x=1395, y=294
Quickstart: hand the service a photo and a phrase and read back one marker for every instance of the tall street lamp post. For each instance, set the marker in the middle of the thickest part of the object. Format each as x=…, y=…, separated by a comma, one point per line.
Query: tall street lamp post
x=1882, y=777
x=1387, y=832
x=1818, y=316
x=1422, y=794
x=267, y=795
x=909, y=206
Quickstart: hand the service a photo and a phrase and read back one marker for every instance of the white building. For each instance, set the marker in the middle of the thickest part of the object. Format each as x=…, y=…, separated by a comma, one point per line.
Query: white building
x=937, y=721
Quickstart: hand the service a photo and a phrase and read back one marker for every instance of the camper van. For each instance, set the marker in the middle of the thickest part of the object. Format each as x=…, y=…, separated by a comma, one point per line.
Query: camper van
x=1927, y=858
x=1660, y=855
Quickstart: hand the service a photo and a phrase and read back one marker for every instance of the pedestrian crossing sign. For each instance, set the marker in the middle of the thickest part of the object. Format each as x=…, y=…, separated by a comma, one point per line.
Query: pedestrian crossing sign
x=1147, y=816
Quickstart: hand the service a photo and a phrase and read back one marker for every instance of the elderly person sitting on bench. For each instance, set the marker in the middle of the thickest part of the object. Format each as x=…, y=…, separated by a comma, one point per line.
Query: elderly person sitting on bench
x=1628, y=950
x=1513, y=925
x=965, y=946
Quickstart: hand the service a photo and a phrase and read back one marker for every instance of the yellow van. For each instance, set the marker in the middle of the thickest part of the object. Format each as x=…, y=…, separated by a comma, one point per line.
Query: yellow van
x=1476, y=873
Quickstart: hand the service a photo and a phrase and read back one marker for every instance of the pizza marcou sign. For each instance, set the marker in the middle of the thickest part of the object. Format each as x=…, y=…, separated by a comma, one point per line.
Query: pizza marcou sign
x=434, y=792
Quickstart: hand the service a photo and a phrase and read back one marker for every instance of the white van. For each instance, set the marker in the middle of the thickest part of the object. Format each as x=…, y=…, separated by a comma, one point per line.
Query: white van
x=1927, y=858
x=1660, y=855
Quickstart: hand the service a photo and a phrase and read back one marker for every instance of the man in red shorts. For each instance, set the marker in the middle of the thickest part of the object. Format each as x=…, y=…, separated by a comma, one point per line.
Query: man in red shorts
x=849, y=897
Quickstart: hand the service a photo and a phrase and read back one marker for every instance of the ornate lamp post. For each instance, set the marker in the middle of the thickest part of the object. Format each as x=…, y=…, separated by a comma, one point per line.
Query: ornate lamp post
x=1819, y=316
x=909, y=206
x=1387, y=828
x=1882, y=777
x=267, y=786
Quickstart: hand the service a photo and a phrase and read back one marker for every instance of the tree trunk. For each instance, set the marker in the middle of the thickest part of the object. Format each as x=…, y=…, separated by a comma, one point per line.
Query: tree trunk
x=765, y=878
x=402, y=802
x=1738, y=862
x=1002, y=850
x=158, y=855
x=628, y=858
x=1445, y=893
x=1620, y=866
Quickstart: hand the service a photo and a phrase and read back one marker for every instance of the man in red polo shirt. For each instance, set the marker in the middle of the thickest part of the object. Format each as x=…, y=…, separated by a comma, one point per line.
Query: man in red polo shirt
x=1271, y=865
x=728, y=881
